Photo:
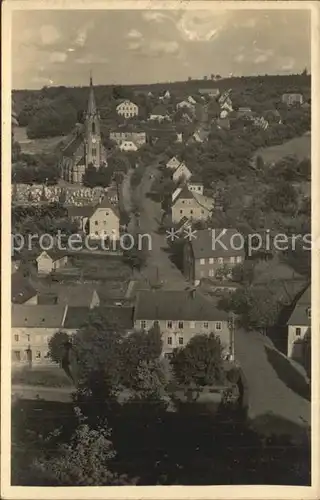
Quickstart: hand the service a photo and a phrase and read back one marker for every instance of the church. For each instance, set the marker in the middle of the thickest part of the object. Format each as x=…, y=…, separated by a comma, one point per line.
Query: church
x=85, y=147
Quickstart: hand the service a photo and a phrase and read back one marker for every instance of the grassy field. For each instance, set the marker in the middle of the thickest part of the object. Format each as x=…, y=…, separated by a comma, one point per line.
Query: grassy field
x=299, y=147
x=33, y=146
x=46, y=376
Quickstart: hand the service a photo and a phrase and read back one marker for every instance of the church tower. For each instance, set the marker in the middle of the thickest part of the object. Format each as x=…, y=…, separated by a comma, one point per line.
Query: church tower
x=94, y=150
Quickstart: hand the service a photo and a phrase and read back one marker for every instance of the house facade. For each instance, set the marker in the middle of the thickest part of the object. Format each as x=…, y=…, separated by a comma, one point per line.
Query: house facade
x=118, y=136
x=51, y=260
x=180, y=315
x=186, y=105
x=173, y=163
x=127, y=109
x=191, y=205
x=292, y=99
x=298, y=325
x=32, y=327
x=195, y=187
x=182, y=172
x=205, y=256
x=104, y=222
x=128, y=146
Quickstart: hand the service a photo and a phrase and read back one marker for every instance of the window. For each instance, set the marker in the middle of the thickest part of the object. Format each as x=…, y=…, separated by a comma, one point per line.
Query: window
x=309, y=312
x=181, y=211
x=220, y=260
x=232, y=260
x=180, y=340
x=218, y=325
x=16, y=355
x=211, y=260
x=180, y=325
x=16, y=338
x=94, y=151
x=169, y=340
x=28, y=337
x=191, y=212
x=93, y=128
x=107, y=213
x=143, y=324
x=211, y=273
x=202, y=211
x=96, y=233
x=239, y=259
x=206, y=325
x=156, y=323
x=202, y=261
x=298, y=332
x=38, y=354
x=169, y=324
x=192, y=324
x=96, y=223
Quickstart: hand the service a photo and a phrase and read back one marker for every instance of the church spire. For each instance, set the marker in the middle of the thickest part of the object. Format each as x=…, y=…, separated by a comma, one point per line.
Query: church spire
x=92, y=109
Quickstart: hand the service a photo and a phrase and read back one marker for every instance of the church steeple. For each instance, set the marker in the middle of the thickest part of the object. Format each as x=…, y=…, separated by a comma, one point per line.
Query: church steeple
x=94, y=150
x=92, y=108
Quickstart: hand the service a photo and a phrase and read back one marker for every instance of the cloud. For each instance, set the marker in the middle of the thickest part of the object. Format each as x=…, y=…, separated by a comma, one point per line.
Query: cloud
x=57, y=57
x=49, y=34
x=289, y=65
x=134, y=34
x=150, y=15
x=201, y=26
x=170, y=47
x=263, y=55
x=82, y=34
x=135, y=45
x=239, y=58
x=92, y=59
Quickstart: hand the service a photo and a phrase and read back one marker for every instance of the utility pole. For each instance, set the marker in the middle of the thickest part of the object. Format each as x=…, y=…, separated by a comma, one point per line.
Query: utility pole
x=231, y=328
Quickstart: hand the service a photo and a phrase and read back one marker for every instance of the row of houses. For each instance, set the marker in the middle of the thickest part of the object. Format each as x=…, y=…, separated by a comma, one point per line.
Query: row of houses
x=179, y=315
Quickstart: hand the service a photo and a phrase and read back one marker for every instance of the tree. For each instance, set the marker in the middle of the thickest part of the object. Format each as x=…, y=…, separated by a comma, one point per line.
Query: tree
x=138, y=347
x=85, y=461
x=135, y=257
x=243, y=273
x=200, y=362
x=59, y=344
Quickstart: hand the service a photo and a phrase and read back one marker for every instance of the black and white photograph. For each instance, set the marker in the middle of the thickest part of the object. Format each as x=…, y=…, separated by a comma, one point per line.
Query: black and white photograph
x=160, y=242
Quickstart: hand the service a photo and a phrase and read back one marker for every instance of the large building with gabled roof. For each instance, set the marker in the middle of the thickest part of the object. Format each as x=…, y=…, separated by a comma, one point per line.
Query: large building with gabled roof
x=85, y=148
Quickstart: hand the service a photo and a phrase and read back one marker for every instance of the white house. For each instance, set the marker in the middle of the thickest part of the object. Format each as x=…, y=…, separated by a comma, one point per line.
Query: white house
x=195, y=187
x=159, y=113
x=182, y=172
x=191, y=100
x=51, y=260
x=128, y=146
x=127, y=109
x=185, y=104
x=298, y=324
x=104, y=221
x=173, y=163
x=179, y=137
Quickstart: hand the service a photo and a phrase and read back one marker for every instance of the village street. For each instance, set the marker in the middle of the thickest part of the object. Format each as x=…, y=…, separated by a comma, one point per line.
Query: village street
x=269, y=395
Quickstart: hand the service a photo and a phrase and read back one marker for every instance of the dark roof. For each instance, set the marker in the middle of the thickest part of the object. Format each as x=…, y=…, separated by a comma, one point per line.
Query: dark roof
x=206, y=244
x=185, y=194
x=159, y=110
x=120, y=317
x=299, y=316
x=176, y=305
x=76, y=317
x=72, y=295
x=21, y=289
x=72, y=147
x=82, y=211
x=54, y=254
x=44, y=316
x=105, y=203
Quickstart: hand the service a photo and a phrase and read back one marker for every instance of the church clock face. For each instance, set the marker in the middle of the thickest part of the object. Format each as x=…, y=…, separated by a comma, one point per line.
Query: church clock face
x=94, y=140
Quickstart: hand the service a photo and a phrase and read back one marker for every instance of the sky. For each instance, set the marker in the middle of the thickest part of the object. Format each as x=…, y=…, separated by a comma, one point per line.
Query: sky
x=60, y=47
